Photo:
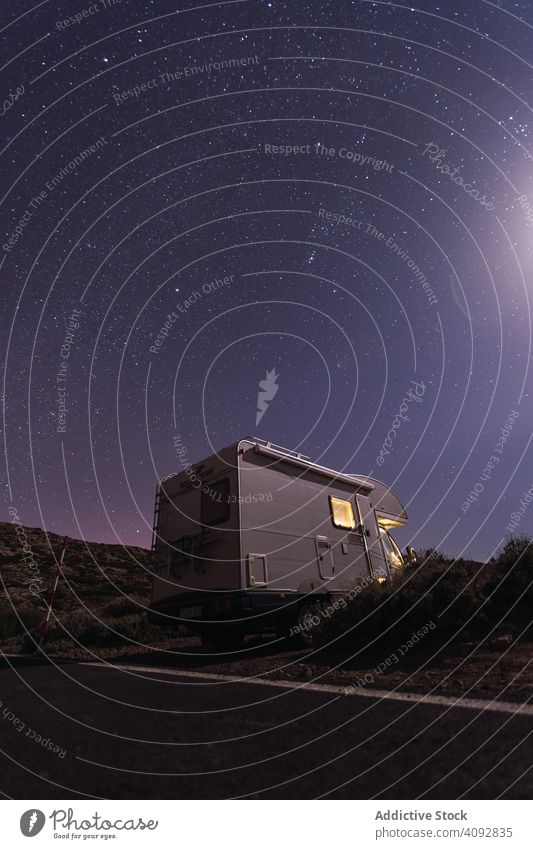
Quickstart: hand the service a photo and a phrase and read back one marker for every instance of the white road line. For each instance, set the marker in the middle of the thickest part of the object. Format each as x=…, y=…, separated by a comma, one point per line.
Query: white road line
x=513, y=708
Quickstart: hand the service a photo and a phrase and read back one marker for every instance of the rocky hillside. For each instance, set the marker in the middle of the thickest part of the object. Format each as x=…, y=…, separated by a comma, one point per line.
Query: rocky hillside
x=98, y=578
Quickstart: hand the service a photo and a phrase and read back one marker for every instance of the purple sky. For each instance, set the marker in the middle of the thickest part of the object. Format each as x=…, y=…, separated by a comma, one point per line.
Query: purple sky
x=338, y=191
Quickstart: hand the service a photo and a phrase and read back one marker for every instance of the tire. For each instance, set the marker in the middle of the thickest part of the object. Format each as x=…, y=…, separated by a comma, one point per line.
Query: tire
x=305, y=625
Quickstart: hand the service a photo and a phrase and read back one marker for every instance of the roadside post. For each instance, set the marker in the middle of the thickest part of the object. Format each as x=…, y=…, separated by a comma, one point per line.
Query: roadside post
x=58, y=575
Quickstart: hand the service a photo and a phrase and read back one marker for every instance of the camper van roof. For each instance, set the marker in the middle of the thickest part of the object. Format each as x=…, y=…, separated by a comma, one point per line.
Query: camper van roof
x=262, y=446
x=296, y=458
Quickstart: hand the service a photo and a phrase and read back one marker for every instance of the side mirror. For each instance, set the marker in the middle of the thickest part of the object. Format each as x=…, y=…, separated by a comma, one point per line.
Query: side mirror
x=410, y=554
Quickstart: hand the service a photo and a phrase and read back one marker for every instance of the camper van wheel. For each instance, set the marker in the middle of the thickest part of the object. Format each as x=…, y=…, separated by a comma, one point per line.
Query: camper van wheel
x=305, y=624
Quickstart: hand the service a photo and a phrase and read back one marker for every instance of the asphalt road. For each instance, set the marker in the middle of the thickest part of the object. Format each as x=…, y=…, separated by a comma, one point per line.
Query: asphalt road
x=144, y=734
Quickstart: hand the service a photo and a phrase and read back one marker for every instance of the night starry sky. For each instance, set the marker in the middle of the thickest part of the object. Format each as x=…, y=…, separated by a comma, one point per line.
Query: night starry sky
x=144, y=147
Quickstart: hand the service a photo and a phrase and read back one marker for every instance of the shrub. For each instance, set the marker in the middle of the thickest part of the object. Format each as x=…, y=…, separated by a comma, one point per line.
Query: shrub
x=439, y=591
x=12, y=625
x=509, y=585
x=121, y=607
x=104, y=631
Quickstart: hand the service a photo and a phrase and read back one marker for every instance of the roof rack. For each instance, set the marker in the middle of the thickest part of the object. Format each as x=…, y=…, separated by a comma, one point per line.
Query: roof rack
x=269, y=448
x=280, y=448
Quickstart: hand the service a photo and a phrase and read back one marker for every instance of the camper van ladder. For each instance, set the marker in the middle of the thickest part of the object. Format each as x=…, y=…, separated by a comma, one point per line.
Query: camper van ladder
x=156, y=515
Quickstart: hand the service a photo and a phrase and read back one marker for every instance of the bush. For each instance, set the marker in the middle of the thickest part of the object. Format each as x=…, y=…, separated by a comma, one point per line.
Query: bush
x=122, y=606
x=509, y=587
x=103, y=631
x=439, y=591
x=12, y=625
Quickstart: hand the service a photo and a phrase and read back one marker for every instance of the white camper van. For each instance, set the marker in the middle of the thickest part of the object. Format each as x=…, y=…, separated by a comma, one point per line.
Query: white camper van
x=256, y=536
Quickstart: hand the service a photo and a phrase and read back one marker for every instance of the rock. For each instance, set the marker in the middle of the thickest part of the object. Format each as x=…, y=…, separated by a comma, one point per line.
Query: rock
x=502, y=641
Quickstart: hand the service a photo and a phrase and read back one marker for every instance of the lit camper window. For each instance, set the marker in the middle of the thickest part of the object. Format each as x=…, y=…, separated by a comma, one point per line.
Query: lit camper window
x=215, y=506
x=391, y=550
x=342, y=514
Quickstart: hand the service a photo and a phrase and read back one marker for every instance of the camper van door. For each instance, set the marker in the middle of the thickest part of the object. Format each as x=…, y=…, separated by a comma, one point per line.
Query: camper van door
x=367, y=517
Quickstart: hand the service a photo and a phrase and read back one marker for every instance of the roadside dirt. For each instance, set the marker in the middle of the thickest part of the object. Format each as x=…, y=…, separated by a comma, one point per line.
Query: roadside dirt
x=499, y=670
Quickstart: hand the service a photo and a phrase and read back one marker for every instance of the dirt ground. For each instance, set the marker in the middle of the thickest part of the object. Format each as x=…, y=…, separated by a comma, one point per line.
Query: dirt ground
x=497, y=670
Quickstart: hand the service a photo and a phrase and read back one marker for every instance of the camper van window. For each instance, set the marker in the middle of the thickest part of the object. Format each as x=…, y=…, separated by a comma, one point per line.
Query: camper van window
x=342, y=514
x=215, y=507
x=391, y=550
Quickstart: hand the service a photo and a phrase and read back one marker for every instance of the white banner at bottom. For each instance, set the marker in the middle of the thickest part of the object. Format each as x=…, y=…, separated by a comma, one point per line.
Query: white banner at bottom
x=267, y=824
